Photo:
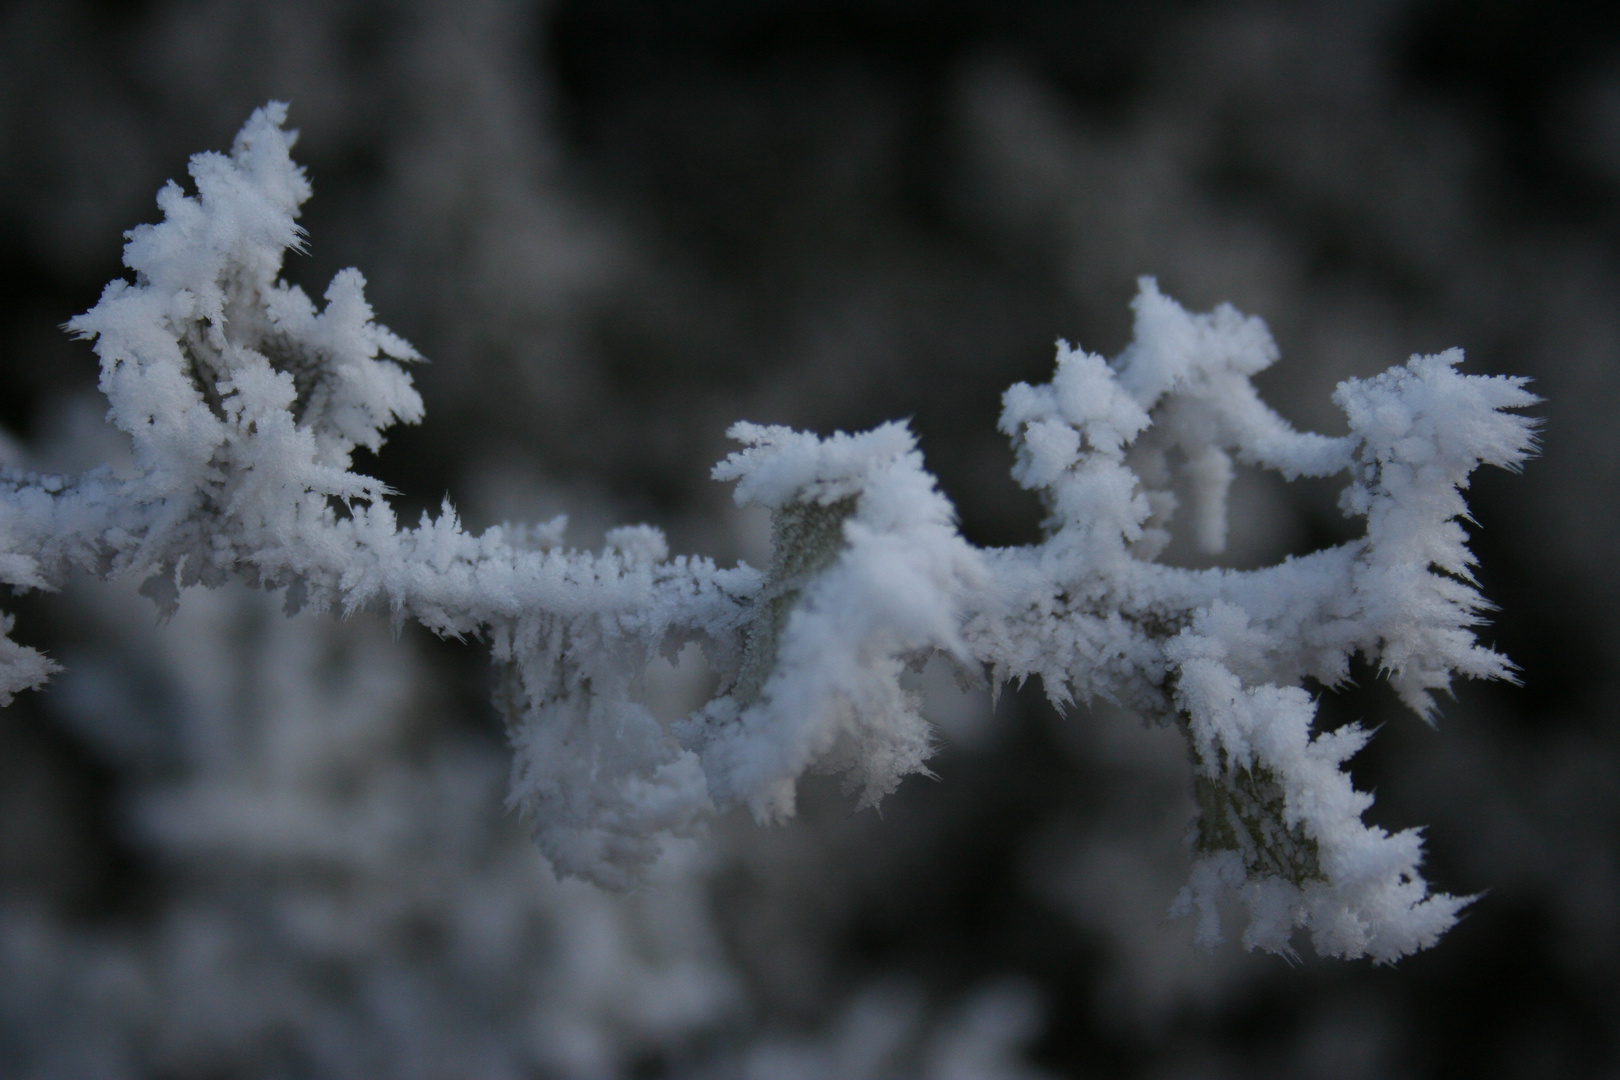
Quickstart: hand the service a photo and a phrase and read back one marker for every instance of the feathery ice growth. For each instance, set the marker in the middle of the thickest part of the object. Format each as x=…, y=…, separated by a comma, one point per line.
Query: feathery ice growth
x=243, y=404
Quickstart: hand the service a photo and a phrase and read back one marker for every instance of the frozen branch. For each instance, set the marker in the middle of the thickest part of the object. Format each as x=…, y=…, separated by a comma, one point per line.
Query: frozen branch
x=244, y=404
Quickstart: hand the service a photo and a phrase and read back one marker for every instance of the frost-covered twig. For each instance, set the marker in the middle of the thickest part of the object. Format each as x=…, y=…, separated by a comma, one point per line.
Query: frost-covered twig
x=244, y=404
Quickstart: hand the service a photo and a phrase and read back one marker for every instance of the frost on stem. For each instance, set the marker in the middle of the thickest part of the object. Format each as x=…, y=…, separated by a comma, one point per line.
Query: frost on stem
x=243, y=404
x=868, y=575
x=1223, y=653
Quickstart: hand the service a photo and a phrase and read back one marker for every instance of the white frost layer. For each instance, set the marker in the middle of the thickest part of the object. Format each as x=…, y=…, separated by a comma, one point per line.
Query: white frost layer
x=243, y=405
x=890, y=595
x=1223, y=653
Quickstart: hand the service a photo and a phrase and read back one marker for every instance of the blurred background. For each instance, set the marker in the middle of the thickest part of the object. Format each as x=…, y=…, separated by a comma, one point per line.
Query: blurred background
x=241, y=845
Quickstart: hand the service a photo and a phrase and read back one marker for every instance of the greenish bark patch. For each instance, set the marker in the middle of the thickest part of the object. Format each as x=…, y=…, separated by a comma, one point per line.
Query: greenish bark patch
x=806, y=538
x=1244, y=810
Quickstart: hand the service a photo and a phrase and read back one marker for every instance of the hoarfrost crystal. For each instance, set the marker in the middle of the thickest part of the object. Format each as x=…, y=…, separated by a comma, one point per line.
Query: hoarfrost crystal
x=244, y=403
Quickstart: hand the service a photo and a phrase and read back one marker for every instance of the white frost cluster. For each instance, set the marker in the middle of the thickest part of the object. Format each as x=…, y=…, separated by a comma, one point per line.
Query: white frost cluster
x=868, y=575
x=243, y=404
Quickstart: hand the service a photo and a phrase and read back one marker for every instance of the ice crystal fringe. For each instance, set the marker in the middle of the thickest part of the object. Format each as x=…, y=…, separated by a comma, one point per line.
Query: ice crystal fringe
x=243, y=404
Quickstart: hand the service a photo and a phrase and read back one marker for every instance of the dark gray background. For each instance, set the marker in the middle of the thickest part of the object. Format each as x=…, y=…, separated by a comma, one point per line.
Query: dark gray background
x=614, y=227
